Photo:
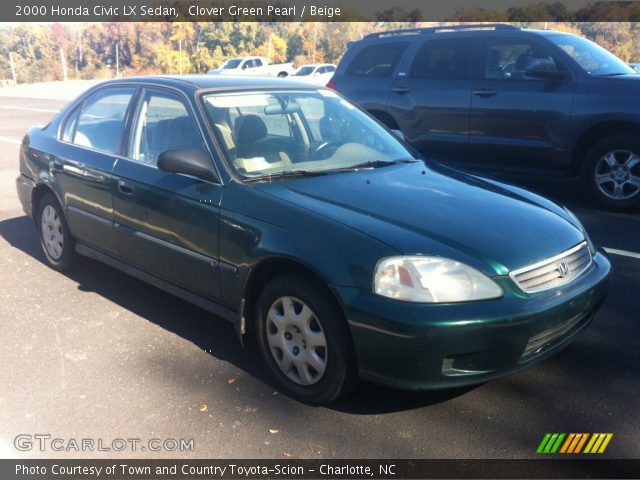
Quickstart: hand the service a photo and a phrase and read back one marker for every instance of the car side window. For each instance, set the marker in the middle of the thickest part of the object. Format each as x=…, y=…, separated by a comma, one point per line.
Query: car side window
x=377, y=60
x=331, y=68
x=163, y=123
x=443, y=58
x=101, y=122
x=509, y=59
x=70, y=126
x=257, y=62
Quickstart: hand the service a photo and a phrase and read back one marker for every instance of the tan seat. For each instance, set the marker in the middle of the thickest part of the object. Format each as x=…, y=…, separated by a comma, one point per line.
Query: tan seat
x=252, y=152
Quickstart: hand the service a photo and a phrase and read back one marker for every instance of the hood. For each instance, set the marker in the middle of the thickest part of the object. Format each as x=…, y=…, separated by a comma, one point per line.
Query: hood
x=438, y=211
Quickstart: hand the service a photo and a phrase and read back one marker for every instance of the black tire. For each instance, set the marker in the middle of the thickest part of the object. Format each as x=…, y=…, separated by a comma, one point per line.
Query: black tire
x=64, y=260
x=595, y=166
x=283, y=75
x=340, y=372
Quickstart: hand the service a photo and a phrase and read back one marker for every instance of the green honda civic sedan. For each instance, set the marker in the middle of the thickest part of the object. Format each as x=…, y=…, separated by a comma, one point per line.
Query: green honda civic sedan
x=286, y=210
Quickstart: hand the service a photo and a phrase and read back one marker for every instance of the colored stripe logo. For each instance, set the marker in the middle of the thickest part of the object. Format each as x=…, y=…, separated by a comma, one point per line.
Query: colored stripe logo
x=574, y=443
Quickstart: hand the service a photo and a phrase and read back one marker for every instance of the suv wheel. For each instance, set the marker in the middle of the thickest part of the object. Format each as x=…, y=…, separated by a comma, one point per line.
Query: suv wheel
x=304, y=339
x=611, y=172
x=56, y=240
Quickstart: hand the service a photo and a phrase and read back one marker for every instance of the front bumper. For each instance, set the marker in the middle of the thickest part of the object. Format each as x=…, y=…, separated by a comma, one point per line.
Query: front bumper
x=432, y=346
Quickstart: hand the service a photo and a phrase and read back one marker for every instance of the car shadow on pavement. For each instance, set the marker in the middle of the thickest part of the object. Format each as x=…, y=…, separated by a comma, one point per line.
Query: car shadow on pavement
x=372, y=399
x=210, y=333
x=217, y=337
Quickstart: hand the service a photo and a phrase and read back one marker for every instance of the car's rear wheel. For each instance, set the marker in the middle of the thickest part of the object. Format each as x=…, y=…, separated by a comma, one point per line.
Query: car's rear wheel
x=304, y=339
x=56, y=240
x=611, y=173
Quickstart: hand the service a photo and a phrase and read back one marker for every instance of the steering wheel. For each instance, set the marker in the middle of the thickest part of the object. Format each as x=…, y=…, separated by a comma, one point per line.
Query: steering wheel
x=322, y=147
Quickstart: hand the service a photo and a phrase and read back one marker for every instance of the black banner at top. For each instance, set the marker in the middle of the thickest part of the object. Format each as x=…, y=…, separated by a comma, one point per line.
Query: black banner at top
x=317, y=11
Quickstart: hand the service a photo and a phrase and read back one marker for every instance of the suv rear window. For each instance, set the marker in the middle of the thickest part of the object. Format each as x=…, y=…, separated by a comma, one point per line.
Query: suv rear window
x=377, y=60
x=443, y=59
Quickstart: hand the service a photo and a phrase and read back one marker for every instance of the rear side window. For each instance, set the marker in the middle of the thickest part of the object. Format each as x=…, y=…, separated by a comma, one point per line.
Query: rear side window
x=377, y=60
x=70, y=126
x=101, y=121
x=442, y=58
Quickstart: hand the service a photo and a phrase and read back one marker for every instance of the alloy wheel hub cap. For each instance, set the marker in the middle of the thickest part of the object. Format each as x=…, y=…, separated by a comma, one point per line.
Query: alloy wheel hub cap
x=617, y=174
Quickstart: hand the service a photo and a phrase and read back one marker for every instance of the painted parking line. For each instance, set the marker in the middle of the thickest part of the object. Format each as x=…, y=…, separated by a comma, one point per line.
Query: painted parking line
x=31, y=109
x=624, y=253
x=10, y=140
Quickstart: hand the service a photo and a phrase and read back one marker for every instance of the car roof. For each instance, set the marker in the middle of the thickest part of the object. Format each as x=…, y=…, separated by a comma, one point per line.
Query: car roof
x=446, y=31
x=190, y=83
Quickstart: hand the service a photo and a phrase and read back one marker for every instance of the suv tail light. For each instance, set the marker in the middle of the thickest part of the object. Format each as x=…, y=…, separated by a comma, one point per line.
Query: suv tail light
x=331, y=85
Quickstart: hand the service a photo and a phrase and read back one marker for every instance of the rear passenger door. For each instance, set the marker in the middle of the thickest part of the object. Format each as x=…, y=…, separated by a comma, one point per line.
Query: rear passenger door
x=517, y=121
x=431, y=96
x=90, y=141
x=368, y=75
x=166, y=223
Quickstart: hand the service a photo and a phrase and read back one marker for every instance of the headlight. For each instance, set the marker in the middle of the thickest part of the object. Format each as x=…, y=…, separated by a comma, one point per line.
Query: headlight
x=579, y=225
x=431, y=280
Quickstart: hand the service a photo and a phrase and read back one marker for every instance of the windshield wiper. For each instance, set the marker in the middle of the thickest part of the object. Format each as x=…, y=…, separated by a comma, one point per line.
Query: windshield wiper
x=373, y=164
x=285, y=174
x=315, y=173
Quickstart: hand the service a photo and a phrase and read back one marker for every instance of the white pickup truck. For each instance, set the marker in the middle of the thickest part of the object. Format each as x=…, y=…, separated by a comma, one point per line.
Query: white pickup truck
x=256, y=66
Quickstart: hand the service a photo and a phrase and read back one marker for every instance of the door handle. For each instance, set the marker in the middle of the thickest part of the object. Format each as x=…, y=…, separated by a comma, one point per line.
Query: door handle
x=56, y=164
x=401, y=89
x=485, y=92
x=125, y=187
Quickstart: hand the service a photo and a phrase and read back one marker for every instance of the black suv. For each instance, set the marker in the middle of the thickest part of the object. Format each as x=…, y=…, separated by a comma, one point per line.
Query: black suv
x=500, y=98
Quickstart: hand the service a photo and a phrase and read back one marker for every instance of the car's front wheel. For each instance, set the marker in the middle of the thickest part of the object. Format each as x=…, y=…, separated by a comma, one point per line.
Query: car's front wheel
x=304, y=339
x=611, y=172
x=56, y=240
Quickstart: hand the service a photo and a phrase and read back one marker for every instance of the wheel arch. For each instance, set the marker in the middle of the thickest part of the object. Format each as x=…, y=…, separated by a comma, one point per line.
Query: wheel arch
x=39, y=191
x=594, y=134
x=272, y=267
x=385, y=117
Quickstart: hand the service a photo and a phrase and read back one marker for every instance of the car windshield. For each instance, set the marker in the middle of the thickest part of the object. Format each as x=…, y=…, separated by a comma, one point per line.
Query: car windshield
x=304, y=71
x=593, y=59
x=310, y=132
x=233, y=63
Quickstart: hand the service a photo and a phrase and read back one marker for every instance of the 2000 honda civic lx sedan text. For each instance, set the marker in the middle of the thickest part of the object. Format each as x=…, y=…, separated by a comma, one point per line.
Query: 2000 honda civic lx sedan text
x=286, y=210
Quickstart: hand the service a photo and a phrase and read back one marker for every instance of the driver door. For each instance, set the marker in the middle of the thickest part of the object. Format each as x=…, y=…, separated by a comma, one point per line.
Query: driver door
x=519, y=121
x=166, y=223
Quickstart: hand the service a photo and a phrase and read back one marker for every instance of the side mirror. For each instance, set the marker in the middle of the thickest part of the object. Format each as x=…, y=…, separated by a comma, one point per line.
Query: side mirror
x=189, y=161
x=399, y=134
x=543, y=68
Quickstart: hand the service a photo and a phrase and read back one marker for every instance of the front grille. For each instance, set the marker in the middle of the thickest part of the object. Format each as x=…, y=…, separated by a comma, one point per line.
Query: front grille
x=555, y=271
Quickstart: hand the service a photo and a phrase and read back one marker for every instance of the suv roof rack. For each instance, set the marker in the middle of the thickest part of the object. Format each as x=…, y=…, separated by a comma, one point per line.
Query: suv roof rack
x=443, y=28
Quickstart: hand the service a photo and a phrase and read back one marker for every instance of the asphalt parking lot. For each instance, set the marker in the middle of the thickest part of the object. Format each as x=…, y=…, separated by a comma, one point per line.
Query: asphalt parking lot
x=97, y=354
